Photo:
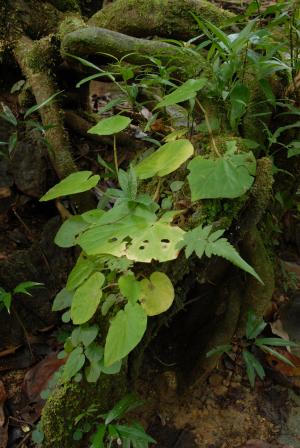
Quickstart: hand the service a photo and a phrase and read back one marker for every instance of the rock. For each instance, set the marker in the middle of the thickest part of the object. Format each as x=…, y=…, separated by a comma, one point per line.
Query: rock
x=28, y=167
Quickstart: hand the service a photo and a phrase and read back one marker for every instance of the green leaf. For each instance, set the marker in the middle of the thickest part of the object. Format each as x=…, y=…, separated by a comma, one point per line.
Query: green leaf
x=38, y=106
x=184, y=92
x=135, y=237
x=165, y=160
x=62, y=300
x=111, y=125
x=202, y=241
x=254, y=325
x=69, y=230
x=73, y=184
x=136, y=433
x=111, y=370
x=277, y=355
x=81, y=271
x=74, y=363
x=228, y=177
x=5, y=298
x=125, y=332
x=219, y=350
x=239, y=98
x=276, y=342
x=253, y=366
x=92, y=372
x=129, y=287
x=98, y=437
x=22, y=288
x=94, y=353
x=87, y=298
x=293, y=149
x=127, y=403
x=176, y=185
x=8, y=115
x=157, y=293
x=88, y=334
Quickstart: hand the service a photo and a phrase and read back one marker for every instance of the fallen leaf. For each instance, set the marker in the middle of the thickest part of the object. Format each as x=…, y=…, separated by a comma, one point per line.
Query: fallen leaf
x=36, y=379
x=282, y=367
x=9, y=350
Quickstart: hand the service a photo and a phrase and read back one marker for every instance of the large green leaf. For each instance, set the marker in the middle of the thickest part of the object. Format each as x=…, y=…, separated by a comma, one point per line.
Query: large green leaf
x=81, y=271
x=74, y=363
x=203, y=241
x=73, y=184
x=165, y=160
x=157, y=293
x=184, y=92
x=129, y=287
x=111, y=125
x=230, y=176
x=87, y=298
x=69, y=230
x=147, y=240
x=125, y=332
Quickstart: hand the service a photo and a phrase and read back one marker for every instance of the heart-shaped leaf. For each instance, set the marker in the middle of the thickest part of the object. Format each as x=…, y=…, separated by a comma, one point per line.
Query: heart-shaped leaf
x=81, y=271
x=165, y=160
x=230, y=176
x=157, y=293
x=125, y=332
x=73, y=184
x=111, y=125
x=87, y=298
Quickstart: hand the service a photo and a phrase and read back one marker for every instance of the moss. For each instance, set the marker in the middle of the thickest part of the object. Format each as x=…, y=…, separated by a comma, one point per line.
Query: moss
x=70, y=399
x=42, y=55
x=72, y=22
x=165, y=18
x=66, y=5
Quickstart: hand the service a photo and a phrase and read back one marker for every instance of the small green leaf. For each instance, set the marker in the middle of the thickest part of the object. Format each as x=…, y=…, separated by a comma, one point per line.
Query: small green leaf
x=134, y=432
x=81, y=271
x=73, y=184
x=94, y=353
x=111, y=125
x=39, y=106
x=219, y=350
x=88, y=334
x=184, y=92
x=22, y=288
x=125, y=332
x=92, y=372
x=5, y=298
x=157, y=293
x=165, y=160
x=127, y=403
x=254, y=325
x=74, y=363
x=87, y=298
x=129, y=287
x=98, y=437
x=62, y=300
x=277, y=355
x=276, y=342
x=111, y=370
x=176, y=185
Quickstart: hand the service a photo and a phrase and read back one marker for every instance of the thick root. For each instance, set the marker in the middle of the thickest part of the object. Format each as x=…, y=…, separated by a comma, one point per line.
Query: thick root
x=33, y=59
x=165, y=18
x=92, y=41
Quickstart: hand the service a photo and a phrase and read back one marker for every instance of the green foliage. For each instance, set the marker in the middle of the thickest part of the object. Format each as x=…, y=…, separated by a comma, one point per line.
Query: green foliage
x=108, y=430
x=229, y=176
x=74, y=183
x=165, y=160
x=22, y=288
x=184, y=92
x=109, y=126
x=157, y=293
x=203, y=241
x=254, y=327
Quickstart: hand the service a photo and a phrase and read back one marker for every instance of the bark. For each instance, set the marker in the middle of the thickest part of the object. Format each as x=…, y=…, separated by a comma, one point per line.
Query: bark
x=165, y=18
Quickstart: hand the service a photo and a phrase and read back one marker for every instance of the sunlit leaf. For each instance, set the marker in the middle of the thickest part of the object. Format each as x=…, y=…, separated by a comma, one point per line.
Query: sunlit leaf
x=74, y=183
x=184, y=92
x=157, y=293
x=87, y=298
x=111, y=125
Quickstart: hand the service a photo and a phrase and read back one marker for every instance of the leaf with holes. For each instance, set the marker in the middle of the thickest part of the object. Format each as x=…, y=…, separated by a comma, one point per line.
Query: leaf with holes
x=136, y=238
x=230, y=176
x=73, y=184
x=87, y=298
x=111, y=125
x=165, y=160
x=68, y=231
x=157, y=293
x=125, y=332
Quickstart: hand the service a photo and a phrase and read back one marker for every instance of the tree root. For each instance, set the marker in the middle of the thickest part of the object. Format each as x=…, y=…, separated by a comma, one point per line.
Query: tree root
x=93, y=41
x=165, y=18
x=31, y=58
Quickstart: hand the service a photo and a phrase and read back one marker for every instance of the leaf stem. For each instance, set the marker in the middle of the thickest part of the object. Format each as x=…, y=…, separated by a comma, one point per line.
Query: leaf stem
x=209, y=129
x=116, y=155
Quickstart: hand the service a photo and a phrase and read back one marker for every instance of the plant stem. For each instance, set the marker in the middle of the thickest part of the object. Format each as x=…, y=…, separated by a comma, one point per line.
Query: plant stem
x=116, y=155
x=209, y=129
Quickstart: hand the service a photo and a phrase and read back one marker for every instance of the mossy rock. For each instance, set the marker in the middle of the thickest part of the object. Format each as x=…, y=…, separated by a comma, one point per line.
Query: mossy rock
x=70, y=399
